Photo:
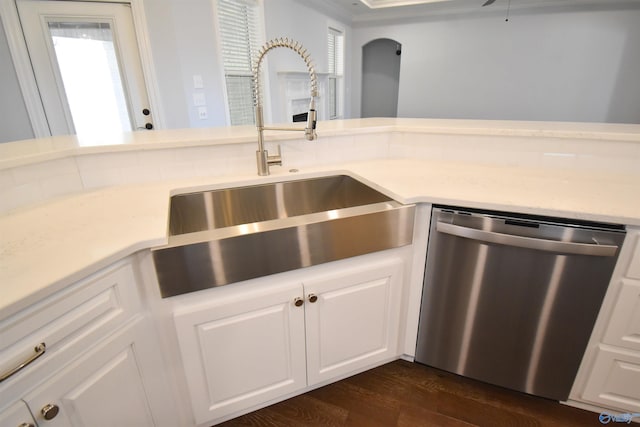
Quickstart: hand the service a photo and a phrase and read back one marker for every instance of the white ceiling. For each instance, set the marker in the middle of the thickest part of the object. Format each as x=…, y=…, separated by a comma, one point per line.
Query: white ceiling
x=356, y=12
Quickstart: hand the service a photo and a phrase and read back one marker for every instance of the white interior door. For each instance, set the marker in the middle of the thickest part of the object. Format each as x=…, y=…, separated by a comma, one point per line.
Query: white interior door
x=87, y=66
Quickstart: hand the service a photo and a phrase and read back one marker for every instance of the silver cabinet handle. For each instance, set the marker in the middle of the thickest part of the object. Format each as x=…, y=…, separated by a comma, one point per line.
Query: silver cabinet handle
x=39, y=351
x=527, y=242
x=298, y=301
x=312, y=298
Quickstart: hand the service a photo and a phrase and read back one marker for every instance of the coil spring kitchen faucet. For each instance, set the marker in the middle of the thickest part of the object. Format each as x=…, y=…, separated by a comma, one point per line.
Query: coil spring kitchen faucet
x=264, y=160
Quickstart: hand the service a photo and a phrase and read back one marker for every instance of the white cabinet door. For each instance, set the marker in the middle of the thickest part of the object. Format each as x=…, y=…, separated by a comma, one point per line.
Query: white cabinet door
x=615, y=379
x=354, y=321
x=17, y=415
x=102, y=388
x=242, y=350
x=624, y=326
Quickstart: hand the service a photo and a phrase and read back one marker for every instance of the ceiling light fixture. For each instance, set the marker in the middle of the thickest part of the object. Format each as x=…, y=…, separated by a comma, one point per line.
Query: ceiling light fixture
x=379, y=4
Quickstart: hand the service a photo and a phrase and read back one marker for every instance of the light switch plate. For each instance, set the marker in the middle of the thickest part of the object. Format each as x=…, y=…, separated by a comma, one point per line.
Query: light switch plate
x=199, y=99
x=197, y=81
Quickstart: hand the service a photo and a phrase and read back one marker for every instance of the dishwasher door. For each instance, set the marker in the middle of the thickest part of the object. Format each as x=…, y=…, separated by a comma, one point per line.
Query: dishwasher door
x=512, y=301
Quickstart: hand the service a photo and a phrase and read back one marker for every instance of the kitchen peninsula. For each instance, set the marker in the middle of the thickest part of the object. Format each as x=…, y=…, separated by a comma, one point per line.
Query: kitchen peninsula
x=78, y=209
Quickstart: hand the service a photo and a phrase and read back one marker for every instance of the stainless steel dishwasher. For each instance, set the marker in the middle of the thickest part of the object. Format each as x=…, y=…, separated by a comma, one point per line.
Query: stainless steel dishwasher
x=511, y=300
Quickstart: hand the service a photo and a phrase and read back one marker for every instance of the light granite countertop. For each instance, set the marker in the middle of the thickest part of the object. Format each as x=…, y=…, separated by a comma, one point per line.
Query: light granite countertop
x=46, y=247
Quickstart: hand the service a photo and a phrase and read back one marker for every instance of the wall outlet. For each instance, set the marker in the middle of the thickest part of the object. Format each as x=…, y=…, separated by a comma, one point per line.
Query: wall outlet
x=202, y=113
x=197, y=82
x=199, y=100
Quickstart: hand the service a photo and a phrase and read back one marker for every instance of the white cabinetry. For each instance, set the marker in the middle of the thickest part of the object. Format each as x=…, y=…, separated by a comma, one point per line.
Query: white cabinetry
x=97, y=368
x=242, y=349
x=101, y=388
x=615, y=379
x=610, y=373
x=623, y=329
x=257, y=343
x=17, y=415
x=354, y=321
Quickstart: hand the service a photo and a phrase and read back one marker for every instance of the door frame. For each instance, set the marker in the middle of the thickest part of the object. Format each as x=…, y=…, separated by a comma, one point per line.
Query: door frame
x=27, y=80
x=364, y=78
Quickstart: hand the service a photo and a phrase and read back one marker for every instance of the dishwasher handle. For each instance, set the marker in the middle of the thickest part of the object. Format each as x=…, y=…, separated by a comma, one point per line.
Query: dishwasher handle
x=571, y=248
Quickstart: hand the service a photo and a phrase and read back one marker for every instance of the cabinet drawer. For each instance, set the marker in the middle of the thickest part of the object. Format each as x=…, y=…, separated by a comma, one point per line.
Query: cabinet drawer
x=634, y=266
x=83, y=310
x=614, y=379
x=624, y=326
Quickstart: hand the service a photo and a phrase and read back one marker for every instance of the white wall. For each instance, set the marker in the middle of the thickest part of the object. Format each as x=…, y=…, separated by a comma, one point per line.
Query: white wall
x=288, y=18
x=184, y=44
x=14, y=120
x=557, y=64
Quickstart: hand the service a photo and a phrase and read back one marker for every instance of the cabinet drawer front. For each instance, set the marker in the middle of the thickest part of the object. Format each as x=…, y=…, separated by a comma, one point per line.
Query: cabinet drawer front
x=624, y=326
x=634, y=266
x=614, y=379
x=96, y=304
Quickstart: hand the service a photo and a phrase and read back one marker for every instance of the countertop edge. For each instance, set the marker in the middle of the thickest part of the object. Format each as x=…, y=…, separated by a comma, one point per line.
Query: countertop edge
x=21, y=153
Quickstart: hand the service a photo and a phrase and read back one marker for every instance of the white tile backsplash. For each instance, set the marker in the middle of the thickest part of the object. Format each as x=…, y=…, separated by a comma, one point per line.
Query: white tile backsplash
x=38, y=182
x=100, y=161
x=21, y=195
x=102, y=177
x=61, y=184
x=6, y=179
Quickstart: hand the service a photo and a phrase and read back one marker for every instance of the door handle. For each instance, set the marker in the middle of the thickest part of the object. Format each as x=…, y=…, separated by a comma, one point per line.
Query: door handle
x=527, y=242
x=39, y=351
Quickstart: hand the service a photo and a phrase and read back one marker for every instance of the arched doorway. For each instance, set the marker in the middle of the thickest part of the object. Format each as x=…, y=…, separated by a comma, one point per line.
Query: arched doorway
x=380, y=78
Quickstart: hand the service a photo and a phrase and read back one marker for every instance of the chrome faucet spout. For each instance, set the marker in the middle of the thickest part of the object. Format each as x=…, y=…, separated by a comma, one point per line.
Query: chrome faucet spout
x=264, y=160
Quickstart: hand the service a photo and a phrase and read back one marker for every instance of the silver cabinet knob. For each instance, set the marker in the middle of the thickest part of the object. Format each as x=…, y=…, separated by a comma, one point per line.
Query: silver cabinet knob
x=26, y=425
x=312, y=298
x=298, y=301
x=49, y=411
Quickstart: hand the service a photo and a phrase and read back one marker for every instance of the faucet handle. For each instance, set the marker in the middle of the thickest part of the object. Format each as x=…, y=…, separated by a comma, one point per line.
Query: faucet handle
x=312, y=116
x=275, y=159
x=310, y=134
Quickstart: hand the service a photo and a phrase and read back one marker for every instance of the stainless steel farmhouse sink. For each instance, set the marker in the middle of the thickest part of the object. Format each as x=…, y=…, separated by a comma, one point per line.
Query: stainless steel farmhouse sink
x=225, y=236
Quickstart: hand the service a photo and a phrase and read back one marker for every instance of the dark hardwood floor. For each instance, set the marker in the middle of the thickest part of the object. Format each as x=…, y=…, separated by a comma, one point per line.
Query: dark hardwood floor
x=408, y=394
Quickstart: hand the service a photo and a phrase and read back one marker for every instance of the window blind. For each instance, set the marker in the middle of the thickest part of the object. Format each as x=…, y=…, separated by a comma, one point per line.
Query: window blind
x=240, y=29
x=335, y=49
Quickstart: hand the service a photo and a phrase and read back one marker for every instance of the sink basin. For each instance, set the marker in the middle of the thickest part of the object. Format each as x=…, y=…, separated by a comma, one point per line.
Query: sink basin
x=245, y=205
x=225, y=236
